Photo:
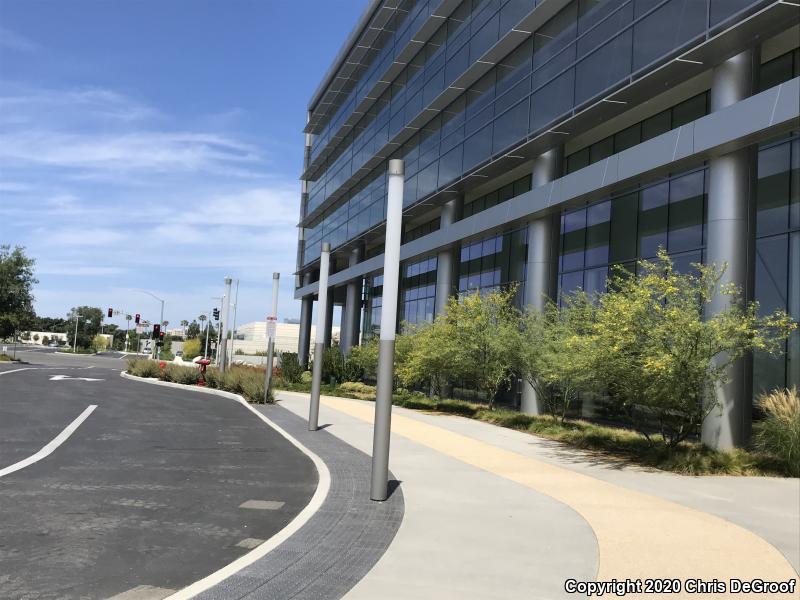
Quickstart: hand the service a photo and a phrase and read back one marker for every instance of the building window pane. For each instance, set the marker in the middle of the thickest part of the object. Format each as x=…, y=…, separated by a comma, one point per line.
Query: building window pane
x=656, y=125
x=653, y=213
x=772, y=256
x=598, y=221
x=689, y=110
x=596, y=280
x=572, y=240
x=602, y=149
x=511, y=126
x=686, y=212
x=773, y=190
x=627, y=138
x=623, y=228
x=667, y=28
x=570, y=282
x=552, y=100
x=578, y=160
x=604, y=67
x=478, y=148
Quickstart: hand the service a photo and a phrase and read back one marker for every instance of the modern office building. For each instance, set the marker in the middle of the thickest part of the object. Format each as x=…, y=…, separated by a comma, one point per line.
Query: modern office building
x=546, y=140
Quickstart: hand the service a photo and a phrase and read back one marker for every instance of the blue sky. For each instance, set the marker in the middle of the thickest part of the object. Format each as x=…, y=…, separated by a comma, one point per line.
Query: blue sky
x=157, y=144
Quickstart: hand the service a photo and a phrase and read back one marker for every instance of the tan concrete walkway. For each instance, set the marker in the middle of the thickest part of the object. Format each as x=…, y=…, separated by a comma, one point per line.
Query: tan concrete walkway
x=639, y=536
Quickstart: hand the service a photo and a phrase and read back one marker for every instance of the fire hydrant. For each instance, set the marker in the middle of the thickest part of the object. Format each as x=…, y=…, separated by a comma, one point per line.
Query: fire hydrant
x=203, y=362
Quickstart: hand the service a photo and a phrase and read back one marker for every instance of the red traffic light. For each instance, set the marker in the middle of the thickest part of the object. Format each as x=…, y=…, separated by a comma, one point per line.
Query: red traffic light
x=161, y=335
x=110, y=312
x=137, y=318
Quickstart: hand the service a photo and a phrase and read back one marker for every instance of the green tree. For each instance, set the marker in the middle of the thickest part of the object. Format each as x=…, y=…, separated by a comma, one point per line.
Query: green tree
x=661, y=356
x=474, y=341
x=556, y=352
x=89, y=321
x=365, y=358
x=193, y=330
x=16, y=290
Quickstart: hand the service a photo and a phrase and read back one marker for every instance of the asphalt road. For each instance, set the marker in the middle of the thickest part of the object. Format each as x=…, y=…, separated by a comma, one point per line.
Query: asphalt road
x=147, y=491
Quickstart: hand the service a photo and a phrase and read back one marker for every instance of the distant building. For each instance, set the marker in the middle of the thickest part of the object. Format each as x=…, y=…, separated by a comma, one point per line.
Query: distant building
x=37, y=337
x=252, y=337
x=292, y=321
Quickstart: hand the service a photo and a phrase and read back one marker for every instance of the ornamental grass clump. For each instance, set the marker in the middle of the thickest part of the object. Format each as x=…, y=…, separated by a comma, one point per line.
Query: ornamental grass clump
x=778, y=434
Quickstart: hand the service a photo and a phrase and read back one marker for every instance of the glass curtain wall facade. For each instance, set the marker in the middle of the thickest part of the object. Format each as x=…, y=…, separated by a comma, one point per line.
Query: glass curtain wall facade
x=473, y=98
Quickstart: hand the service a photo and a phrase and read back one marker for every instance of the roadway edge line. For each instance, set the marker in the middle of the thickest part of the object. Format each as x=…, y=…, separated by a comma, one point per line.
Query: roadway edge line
x=281, y=536
x=48, y=449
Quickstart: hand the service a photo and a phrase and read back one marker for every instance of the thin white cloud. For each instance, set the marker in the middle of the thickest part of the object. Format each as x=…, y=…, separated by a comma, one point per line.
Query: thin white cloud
x=82, y=236
x=21, y=104
x=15, y=41
x=144, y=151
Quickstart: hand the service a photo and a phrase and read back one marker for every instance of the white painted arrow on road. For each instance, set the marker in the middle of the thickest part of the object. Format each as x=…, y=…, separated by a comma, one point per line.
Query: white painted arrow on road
x=62, y=377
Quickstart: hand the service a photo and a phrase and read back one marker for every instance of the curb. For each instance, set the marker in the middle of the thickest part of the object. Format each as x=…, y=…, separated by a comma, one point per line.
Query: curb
x=281, y=536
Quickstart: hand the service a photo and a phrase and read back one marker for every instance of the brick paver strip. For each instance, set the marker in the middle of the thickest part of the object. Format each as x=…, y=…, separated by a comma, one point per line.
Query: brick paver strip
x=338, y=545
x=638, y=535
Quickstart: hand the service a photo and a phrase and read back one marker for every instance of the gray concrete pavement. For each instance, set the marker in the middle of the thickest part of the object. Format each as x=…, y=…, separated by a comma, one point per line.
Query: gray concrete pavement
x=147, y=493
x=466, y=534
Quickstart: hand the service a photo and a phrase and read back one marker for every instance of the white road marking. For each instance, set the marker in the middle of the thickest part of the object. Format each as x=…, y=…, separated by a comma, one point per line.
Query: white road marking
x=262, y=504
x=250, y=543
x=18, y=370
x=63, y=377
x=143, y=592
x=52, y=445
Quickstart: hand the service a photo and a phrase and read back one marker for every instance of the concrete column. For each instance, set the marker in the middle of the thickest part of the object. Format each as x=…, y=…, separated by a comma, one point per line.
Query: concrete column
x=541, y=269
x=731, y=241
x=351, y=312
x=303, y=343
x=447, y=259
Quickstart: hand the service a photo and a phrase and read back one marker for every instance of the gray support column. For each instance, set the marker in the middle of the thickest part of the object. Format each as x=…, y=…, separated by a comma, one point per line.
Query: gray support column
x=542, y=261
x=731, y=242
x=446, y=260
x=351, y=311
x=306, y=305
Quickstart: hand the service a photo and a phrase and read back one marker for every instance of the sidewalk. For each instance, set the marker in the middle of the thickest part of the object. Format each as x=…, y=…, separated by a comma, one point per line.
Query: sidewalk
x=494, y=513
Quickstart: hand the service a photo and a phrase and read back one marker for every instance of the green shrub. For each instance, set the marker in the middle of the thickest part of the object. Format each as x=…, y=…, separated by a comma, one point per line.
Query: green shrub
x=305, y=377
x=179, y=374
x=5, y=358
x=358, y=389
x=291, y=369
x=332, y=364
x=143, y=368
x=779, y=433
x=191, y=349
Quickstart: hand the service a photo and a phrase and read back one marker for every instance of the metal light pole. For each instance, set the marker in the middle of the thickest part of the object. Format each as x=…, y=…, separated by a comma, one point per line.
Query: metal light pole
x=270, y=334
x=233, y=330
x=223, y=337
x=391, y=278
x=75, y=339
x=319, y=342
